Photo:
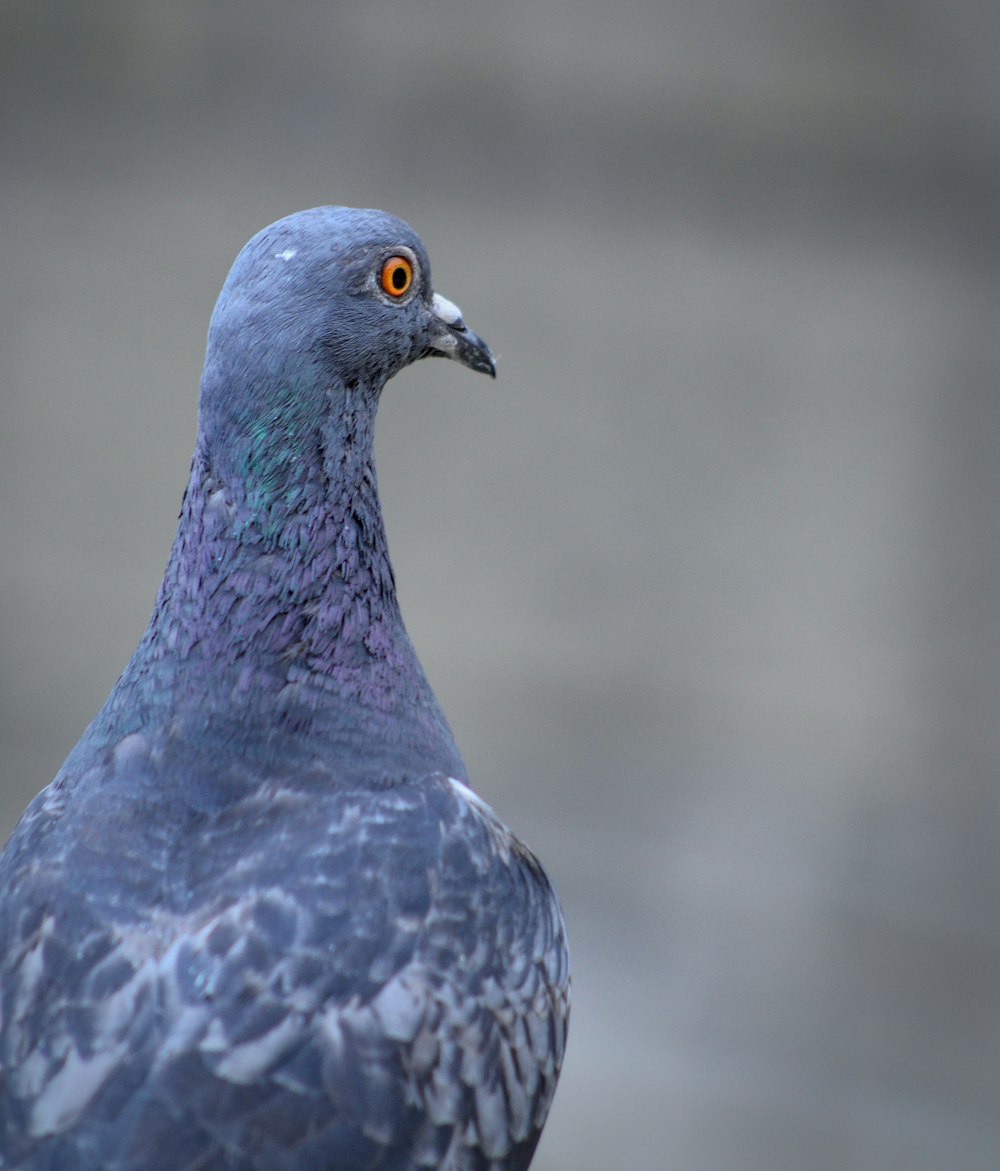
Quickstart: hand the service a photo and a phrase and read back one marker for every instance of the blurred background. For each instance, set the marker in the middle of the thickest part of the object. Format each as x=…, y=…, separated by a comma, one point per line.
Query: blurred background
x=707, y=581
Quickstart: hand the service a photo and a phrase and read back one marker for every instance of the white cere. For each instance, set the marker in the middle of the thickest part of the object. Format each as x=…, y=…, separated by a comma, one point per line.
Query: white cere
x=449, y=312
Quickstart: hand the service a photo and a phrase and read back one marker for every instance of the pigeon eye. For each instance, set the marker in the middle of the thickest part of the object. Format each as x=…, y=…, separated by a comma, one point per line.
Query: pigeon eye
x=397, y=275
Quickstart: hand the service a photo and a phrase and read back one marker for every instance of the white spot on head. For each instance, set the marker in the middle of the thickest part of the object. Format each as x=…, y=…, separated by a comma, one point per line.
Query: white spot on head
x=447, y=310
x=287, y=254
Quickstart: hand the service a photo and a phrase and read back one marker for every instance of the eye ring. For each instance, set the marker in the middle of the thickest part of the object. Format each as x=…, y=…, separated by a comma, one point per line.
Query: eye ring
x=396, y=277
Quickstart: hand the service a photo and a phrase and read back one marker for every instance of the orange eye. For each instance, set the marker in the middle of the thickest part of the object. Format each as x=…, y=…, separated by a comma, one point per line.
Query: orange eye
x=397, y=275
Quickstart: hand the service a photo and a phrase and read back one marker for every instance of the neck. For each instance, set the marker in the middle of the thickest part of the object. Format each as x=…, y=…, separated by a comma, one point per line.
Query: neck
x=285, y=568
x=279, y=602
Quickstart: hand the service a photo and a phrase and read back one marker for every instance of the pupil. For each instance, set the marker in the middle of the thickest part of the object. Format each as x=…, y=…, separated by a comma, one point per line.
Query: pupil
x=399, y=277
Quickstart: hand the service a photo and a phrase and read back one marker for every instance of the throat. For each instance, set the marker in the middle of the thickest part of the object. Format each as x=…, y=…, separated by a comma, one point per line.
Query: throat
x=288, y=587
x=278, y=613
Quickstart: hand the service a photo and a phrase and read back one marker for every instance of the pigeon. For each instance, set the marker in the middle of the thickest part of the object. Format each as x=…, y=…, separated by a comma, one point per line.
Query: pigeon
x=260, y=921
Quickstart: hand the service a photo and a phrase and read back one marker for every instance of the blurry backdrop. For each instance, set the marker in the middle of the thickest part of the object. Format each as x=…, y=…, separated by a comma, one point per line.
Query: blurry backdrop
x=707, y=581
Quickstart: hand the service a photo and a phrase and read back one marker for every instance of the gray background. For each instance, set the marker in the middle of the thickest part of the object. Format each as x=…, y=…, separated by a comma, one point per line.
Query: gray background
x=707, y=581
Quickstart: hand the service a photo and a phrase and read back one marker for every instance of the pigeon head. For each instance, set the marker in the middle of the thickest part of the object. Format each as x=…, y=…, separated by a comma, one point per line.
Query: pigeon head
x=318, y=311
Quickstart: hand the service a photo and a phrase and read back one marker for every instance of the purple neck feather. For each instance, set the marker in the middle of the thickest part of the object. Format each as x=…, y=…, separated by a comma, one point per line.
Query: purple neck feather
x=292, y=580
x=279, y=604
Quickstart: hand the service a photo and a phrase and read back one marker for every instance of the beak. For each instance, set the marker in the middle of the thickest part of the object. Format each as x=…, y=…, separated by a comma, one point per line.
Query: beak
x=450, y=337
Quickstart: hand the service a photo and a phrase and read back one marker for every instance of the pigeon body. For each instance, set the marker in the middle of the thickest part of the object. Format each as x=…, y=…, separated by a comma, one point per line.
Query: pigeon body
x=259, y=920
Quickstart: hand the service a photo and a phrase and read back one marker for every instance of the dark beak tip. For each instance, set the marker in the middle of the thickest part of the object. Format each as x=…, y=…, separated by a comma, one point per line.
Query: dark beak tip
x=473, y=352
x=454, y=339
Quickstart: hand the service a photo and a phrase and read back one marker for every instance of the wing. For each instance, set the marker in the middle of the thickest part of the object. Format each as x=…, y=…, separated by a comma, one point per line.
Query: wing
x=352, y=980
